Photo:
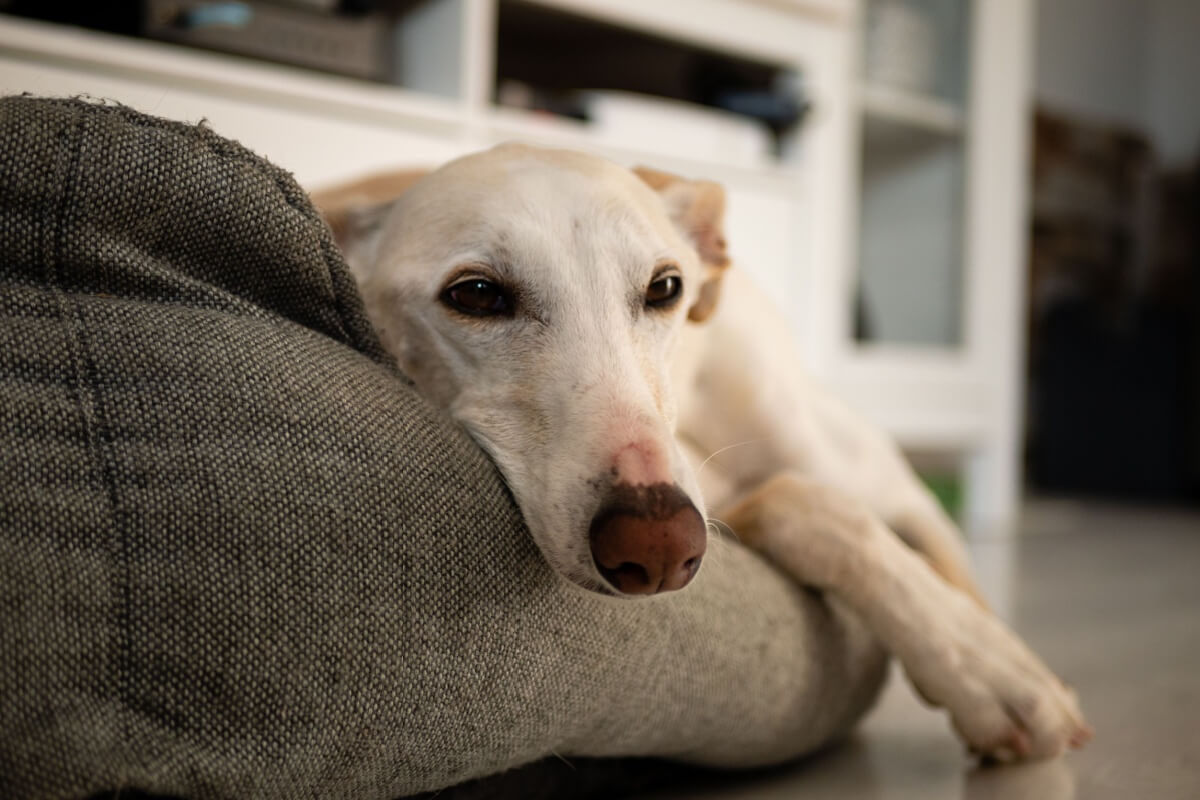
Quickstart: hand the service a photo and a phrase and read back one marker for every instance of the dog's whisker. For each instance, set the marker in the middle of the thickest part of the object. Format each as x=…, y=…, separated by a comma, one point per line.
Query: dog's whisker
x=719, y=527
x=562, y=759
x=716, y=453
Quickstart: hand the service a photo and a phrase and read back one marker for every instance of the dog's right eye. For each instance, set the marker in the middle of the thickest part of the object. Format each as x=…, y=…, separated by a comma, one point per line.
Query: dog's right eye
x=479, y=298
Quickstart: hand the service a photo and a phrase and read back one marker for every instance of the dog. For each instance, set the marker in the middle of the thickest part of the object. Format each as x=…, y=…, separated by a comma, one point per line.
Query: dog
x=581, y=321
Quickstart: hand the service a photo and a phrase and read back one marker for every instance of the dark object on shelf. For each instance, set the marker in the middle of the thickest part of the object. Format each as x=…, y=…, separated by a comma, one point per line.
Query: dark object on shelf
x=124, y=16
x=556, y=53
x=781, y=104
x=778, y=110
x=359, y=46
x=344, y=37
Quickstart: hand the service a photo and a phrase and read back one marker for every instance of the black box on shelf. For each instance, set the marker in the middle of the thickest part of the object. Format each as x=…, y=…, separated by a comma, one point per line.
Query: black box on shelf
x=313, y=37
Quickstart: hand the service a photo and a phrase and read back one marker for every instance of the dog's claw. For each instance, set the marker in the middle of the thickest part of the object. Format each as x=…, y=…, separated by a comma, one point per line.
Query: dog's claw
x=1082, y=736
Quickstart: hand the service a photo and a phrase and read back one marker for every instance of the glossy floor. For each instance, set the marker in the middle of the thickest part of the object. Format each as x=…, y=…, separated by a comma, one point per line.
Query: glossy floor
x=1110, y=598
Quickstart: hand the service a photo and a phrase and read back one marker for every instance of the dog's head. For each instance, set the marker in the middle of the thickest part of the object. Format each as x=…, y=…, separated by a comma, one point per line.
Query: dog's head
x=538, y=295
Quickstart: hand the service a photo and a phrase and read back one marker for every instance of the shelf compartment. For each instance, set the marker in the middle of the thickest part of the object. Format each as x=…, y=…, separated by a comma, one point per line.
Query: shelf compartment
x=904, y=108
x=911, y=249
x=628, y=82
x=774, y=30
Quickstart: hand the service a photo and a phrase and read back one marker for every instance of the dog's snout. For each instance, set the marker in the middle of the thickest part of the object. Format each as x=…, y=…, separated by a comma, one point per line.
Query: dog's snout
x=648, y=539
x=641, y=462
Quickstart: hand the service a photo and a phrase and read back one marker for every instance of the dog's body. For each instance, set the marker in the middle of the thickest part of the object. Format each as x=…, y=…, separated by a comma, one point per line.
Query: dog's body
x=565, y=311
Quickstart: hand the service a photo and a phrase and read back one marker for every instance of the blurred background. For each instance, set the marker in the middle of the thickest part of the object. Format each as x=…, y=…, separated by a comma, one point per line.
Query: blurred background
x=980, y=215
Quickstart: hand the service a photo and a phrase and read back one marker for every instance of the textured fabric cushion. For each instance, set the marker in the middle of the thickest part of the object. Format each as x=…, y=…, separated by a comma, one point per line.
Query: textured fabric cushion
x=239, y=557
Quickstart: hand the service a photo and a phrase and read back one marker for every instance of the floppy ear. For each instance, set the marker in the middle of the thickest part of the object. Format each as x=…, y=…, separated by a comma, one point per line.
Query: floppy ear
x=355, y=210
x=698, y=210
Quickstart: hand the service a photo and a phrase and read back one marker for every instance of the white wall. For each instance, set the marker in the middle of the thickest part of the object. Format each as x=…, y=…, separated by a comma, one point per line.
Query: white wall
x=1133, y=62
x=1091, y=58
x=1173, y=78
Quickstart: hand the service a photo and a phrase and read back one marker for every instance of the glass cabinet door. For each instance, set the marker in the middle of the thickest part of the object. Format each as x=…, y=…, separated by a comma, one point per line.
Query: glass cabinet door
x=913, y=110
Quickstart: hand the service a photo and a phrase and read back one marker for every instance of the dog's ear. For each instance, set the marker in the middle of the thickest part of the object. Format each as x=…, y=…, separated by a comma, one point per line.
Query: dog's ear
x=355, y=210
x=698, y=210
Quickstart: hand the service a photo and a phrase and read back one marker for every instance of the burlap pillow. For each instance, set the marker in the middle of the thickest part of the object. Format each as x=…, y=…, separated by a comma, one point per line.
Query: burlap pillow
x=239, y=557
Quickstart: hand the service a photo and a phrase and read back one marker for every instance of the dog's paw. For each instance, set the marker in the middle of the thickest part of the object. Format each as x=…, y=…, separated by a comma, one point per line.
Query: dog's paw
x=1003, y=701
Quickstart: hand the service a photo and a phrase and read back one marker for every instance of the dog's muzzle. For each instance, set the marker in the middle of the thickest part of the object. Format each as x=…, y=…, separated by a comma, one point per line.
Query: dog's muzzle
x=648, y=539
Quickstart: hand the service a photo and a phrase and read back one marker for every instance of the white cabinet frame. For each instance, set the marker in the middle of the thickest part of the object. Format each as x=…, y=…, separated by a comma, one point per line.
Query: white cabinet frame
x=967, y=400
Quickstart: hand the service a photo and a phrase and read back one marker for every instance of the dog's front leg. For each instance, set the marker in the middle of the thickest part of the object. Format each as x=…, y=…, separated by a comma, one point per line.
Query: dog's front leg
x=1002, y=699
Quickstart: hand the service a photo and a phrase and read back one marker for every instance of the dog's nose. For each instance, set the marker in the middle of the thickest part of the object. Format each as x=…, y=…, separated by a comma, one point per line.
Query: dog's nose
x=648, y=539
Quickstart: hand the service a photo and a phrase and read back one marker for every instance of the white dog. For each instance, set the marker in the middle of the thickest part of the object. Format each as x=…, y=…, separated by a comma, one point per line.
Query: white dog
x=564, y=310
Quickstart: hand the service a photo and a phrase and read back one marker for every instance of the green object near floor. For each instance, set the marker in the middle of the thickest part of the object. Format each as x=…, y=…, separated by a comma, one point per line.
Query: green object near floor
x=948, y=490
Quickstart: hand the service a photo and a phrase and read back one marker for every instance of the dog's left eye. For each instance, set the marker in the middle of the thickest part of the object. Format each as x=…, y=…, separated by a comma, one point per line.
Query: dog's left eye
x=663, y=291
x=479, y=298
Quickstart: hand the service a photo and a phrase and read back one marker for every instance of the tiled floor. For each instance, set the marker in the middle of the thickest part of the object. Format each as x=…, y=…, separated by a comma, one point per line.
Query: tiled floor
x=1110, y=598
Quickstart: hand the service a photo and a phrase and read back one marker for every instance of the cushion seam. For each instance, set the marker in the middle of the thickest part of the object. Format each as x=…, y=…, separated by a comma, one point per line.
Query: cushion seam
x=98, y=437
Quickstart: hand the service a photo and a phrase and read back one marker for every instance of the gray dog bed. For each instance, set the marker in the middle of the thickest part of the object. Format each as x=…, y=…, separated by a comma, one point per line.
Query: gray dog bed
x=240, y=557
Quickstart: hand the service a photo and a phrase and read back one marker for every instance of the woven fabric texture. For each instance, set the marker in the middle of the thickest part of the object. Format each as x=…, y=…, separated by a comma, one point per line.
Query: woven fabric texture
x=239, y=557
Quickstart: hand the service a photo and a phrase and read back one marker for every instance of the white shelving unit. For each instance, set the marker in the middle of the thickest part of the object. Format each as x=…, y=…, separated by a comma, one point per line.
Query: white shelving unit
x=793, y=221
x=941, y=242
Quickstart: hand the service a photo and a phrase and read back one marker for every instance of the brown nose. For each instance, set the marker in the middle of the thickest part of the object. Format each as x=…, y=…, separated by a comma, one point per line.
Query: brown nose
x=648, y=539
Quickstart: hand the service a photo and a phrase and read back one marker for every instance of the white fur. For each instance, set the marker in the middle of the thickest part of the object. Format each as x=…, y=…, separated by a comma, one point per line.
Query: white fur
x=584, y=386
x=580, y=375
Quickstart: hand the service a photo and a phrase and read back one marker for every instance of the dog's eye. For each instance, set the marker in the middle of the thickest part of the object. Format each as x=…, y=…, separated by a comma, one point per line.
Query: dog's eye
x=479, y=298
x=663, y=291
